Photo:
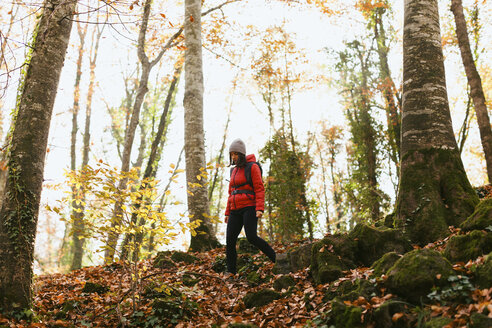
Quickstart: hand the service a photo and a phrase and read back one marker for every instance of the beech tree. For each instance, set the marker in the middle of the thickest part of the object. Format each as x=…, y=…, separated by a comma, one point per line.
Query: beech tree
x=198, y=202
x=19, y=212
x=475, y=83
x=434, y=190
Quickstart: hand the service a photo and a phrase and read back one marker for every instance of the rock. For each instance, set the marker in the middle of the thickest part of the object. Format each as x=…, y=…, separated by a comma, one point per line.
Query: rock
x=483, y=273
x=413, y=276
x=283, y=282
x=260, y=298
x=293, y=261
x=162, y=261
x=345, y=316
x=173, y=309
x=282, y=264
x=245, y=247
x=189, y=280
x=481, y=218
x=438, y=322
x=241, y=325
x=330, y=256
x=219, y=264
x=382, y=265
x=351, y=290
x=479, y=320
x=91, y=287
x=372, y=243
x=183, y=257
x=463, y=248
x=383, y=315
x=253, y=278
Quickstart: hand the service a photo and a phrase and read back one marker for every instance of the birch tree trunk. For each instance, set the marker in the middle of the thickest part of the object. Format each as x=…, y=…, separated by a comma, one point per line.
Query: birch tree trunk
x=19, y=213
x=198, y=206
x=475, y=83
x=434, y=190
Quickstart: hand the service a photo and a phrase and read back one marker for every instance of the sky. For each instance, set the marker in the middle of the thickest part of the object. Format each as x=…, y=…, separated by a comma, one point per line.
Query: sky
x=311, y=30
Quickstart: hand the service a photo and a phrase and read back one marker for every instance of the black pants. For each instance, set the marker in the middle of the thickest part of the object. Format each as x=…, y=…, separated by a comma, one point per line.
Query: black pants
x=237, y=219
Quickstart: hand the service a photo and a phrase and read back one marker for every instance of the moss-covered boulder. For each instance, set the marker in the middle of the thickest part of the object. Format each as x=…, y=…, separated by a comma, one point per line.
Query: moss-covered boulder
x=413, y=276
x=163, y=261
x=438, y=322
x=245, y=247
x=92, y=287
x=171, y=310
x=372, y=242
x=351, y=290
x=190, y=280
x=384, y=263
x=219, y=264
x=183, y=257
x=463, y=248
x=260, y=298
x=483, y=273
x=283, y=282
x=479, y=320
x=294, y=260
x=481, y=218
x=382, y=316
x=345, y=316
x=330, y=256
x=241, y=325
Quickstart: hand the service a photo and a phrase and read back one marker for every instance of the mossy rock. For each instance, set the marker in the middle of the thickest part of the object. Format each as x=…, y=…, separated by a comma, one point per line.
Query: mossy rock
x=382, y=265
x=413, y=276
x=372, y=243
x=479, y=320
x=351, y=290
x=183, y=257
x=282, y=264
x=162, y=261
x=345, y=316
x=481, y=219
x=483, y=273
x=463, y=248
x=438, y=322
x=260, y=298
x=173, y=309
x=253, y=278
x=189, y=280
x=245, y=247
x=246, y=264
x=220, y=264
x=241, y=325
x=382, y=316
x=91, y=287
x=330, y=256
x=67, y=306
x=283, y=282
x=294, y=260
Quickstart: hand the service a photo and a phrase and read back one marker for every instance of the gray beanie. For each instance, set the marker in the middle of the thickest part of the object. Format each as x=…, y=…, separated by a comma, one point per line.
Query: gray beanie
x=238, y=146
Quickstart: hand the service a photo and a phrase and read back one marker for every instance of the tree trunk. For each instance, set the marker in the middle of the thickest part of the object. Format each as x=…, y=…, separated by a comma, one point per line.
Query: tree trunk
x=77, y=231
x=434, y=189
x=19, y=213
x=198, y=206
x=475, y=83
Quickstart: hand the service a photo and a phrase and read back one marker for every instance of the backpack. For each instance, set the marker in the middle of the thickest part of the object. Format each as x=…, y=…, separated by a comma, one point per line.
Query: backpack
x=247, y=173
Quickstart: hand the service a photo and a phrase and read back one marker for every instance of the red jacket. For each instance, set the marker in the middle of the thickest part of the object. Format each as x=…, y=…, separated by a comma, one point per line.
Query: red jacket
x=238, y=201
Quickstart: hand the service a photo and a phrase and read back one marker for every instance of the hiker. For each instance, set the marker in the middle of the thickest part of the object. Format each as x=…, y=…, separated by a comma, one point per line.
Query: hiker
x=245, y=204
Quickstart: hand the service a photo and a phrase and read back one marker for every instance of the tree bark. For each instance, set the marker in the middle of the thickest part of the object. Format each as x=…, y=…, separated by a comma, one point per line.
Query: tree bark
x=19, y=213
x=475, y=83
x=198, y=202
x=434, y=189
x=77, y=231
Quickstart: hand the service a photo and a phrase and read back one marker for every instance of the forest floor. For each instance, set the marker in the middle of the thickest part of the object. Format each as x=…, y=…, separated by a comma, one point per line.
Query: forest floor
x=198, y=296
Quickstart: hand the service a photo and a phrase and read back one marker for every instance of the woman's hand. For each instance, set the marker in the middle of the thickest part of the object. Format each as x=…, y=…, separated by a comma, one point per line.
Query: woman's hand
x=226, y=218
x=259, y=214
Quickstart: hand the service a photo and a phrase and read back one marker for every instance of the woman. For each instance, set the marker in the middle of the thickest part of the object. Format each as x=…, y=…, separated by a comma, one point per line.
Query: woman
x=245, y=204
